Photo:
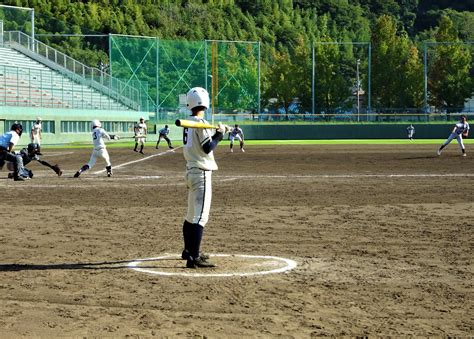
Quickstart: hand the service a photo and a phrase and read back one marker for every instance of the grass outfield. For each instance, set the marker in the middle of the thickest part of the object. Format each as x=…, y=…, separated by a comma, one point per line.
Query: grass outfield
x=151, y=144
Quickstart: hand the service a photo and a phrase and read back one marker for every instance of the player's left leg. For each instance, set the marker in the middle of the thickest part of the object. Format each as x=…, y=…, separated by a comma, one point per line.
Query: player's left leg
x=461, y=145
x=199, y=184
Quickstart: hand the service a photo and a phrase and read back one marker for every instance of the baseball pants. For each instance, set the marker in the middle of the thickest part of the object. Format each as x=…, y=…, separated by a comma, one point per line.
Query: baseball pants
x=199, y=183
x=99, y=153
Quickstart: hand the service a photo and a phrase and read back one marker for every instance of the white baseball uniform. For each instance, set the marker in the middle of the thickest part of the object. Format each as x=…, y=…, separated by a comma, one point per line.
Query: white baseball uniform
x=140, y=133
x=199, y=167
x=459, y=129
x=36, y=133
x=98, y=136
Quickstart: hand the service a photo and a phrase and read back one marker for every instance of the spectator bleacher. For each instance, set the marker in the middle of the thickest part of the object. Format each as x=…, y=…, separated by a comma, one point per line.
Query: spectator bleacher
x=27, y=82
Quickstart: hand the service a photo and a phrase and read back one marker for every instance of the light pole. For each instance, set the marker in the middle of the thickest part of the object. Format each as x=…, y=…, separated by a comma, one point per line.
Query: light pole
x=358, y=90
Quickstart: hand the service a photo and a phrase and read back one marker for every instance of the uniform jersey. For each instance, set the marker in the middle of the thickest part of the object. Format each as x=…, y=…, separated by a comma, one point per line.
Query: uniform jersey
x=9, y=137
x=193, y=140
x=36, y=129
x=98, y=135
x=164, y=131
x=140, y=129
x=461, y=127
x=236, y=131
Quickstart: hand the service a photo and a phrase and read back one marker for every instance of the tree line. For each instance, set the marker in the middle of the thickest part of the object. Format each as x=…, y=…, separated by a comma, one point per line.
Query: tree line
x=293, y=35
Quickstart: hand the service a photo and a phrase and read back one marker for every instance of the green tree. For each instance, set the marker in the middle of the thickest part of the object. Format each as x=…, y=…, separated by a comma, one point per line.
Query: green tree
x=397, y=80
x=450, y=82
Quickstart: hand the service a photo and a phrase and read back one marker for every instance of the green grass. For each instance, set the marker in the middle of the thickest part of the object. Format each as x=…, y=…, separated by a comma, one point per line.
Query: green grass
x=148, y=145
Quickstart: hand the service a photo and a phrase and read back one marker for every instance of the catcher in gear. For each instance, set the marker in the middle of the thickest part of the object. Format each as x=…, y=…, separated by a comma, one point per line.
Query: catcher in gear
x=28, y=154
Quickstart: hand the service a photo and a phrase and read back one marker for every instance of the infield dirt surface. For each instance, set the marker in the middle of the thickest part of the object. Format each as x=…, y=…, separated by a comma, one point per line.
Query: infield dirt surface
x=382, y=237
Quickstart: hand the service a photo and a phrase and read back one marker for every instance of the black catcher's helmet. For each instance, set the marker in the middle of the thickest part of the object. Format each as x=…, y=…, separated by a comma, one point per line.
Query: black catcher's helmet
x=34, y=148
x=17, y=127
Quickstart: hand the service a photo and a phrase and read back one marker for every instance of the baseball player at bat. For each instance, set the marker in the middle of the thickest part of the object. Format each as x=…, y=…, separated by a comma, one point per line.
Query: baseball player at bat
x=98, y=136
x=29, y=154
x=198, y=146
x=460, y=130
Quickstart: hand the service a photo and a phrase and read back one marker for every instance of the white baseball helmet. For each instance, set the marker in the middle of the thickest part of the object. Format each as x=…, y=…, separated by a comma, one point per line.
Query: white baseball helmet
x=197, y=96
x=38, y=119
x=96, y=123
x=142, y=118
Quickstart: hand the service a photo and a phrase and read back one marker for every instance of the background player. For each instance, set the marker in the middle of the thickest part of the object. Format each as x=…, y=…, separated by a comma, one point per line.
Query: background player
x=140, y=135
x=7, y=144
x=238, y=134
x=164, y=135
x=410, y=132
x=36, y=132
x=198, y=151
x=98, y=136
x=460, y=130
x=30, y=153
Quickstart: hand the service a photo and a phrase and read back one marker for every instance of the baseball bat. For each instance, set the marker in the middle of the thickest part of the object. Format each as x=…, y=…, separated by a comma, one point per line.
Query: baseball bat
x=193, y=124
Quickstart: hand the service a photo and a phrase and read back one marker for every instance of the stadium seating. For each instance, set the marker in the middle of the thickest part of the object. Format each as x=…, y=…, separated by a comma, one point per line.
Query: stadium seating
x=26, y=82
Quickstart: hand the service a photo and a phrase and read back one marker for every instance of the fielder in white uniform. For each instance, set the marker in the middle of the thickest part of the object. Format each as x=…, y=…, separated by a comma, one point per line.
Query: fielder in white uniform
x=238, y=134
x=98, y=136
x=410, y=132
x=198, y=146
x=140, y=135
x=36, y=132
x=460, y=130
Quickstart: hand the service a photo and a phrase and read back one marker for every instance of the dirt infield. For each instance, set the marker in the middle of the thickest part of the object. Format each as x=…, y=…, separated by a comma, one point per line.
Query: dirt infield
x=382, y=237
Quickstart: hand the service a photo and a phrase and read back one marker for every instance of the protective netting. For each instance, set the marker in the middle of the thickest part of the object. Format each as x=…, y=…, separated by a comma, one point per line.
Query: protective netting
x=165, y=70
x=16, y=19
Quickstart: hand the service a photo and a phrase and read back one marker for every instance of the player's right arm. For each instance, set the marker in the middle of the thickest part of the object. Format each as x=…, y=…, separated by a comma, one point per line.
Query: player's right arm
x=212, y=142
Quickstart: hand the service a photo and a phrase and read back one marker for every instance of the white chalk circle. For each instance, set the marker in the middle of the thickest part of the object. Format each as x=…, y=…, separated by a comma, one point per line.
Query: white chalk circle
x=228, y=265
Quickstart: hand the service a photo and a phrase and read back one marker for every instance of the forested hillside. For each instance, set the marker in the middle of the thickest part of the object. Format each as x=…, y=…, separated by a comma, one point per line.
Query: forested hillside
x=287, y=29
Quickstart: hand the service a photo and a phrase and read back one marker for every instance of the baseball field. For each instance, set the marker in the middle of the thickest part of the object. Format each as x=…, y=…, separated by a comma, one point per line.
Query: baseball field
x=309, y=240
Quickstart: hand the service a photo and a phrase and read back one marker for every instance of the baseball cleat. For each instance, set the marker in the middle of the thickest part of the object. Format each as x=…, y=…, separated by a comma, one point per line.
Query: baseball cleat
x=199, y=262
x=185, y=255
x=19, y=179
x=77, y=175
x=464, y=154
x=439, y=152
x=242, y=150
x=135, y=150
x=231, y=150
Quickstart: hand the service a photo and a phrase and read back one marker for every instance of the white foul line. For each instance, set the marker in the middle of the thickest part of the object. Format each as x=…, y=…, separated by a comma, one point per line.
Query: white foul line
x=139, y=160
x=290, y=264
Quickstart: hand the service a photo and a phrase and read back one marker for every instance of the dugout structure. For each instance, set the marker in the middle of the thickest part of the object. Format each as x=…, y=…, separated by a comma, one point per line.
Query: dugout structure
x=166, y=69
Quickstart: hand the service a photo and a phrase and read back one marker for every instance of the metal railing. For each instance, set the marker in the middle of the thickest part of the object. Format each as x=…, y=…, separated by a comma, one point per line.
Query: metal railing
x=77, y=71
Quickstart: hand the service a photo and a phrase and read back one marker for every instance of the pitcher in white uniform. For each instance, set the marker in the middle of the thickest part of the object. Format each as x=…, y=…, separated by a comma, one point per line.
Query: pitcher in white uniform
x=460, y=130
x=98, y=136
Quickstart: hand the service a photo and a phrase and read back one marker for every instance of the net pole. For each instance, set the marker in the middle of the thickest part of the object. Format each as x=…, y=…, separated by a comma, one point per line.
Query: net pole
x=214, y=79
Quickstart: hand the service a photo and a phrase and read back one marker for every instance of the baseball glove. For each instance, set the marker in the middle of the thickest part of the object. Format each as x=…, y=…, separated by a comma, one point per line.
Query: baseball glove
x=57, y=170
x=464, y=135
